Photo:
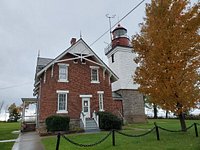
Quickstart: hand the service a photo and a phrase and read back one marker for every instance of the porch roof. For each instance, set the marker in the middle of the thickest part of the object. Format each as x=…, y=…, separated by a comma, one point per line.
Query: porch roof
x=30, y=100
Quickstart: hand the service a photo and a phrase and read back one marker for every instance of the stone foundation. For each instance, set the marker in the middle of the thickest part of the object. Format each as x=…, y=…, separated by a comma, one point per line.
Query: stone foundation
x=74, y=125
x=41, y=128
x=133, y=106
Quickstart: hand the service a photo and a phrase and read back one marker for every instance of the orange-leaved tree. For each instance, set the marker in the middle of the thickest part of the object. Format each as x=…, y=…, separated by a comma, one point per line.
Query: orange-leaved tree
x=168, y=55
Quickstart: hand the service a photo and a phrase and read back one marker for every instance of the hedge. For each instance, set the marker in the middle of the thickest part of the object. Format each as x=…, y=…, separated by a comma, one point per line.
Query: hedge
x=57, y=123
x=108, y=121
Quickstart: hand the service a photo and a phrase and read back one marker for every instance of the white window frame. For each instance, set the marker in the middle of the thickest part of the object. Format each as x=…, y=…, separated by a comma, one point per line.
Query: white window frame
x=95, y=68
x=65, y=65
x=101, y=98
x=66, y=96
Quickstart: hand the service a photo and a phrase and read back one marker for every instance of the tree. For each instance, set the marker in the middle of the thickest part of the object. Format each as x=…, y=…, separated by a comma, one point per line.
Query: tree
x=168, y=55
x=150, y=105
x=14, y=112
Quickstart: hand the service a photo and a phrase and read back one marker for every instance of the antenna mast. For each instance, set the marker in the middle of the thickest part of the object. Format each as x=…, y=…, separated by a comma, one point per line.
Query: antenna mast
x=109, y=18
x=38, y=53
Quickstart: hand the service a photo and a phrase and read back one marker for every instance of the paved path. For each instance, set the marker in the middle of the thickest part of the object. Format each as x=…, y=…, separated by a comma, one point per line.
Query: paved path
x=28, y=141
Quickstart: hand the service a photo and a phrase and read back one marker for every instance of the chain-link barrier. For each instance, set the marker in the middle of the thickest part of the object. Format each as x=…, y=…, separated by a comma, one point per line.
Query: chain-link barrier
x=87, y=145
x=129, y=135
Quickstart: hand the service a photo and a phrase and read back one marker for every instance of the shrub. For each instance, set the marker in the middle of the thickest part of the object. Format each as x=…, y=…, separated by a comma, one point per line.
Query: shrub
x=192, y=117
x=57, y=123
x=108, y=121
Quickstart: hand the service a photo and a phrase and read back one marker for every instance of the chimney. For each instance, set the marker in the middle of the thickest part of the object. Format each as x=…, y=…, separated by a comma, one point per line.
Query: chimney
x=73, y=41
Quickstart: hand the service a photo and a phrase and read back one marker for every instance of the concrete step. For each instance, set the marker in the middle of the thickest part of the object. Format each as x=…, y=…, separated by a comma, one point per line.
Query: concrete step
x=92, y=130
x=91, y=123
x=91, y=126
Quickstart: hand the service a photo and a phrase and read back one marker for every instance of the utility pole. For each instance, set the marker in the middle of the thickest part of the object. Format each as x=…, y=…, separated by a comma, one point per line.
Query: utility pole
x=109, y=18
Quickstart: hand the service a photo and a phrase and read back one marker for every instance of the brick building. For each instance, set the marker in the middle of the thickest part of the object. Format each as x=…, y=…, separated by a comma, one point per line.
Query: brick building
x=76, y=83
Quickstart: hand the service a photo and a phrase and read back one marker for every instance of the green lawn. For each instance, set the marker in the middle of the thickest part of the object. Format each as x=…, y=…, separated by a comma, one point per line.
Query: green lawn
x=6, y=134
x=6, y=130
x=168, y=140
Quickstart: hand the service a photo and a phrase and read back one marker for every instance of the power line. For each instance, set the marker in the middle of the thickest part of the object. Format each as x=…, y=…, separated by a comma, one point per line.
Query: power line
x=17, y=85
x=118, y=22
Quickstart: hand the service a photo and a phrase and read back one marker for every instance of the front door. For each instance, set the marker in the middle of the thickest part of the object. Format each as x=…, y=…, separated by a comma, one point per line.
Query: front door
x=86, y=106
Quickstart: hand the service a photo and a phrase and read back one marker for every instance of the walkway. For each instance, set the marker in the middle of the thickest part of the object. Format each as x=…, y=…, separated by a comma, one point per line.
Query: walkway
x=28, y=141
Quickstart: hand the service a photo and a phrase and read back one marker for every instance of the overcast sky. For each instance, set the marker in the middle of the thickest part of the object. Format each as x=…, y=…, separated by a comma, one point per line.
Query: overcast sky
x=27, y=26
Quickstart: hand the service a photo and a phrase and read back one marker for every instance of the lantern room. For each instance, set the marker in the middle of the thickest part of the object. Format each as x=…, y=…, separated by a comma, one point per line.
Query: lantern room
x=120, y=37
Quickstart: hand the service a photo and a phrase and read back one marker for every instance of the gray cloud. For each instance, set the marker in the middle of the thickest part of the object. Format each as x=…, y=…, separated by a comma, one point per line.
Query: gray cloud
x=27, y=26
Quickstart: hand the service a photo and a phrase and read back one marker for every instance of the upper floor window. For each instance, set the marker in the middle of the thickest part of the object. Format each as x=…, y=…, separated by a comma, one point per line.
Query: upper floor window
x=62, y=101
x=63, y=73
x=94, y=74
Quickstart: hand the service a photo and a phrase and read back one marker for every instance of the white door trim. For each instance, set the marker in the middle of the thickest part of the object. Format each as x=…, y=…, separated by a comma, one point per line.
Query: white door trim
x=86, y=105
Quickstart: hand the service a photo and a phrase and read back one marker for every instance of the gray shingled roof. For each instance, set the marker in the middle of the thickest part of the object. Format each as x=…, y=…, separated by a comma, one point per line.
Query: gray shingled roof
x=116, y=95
x=42, y=62
x=29, y=99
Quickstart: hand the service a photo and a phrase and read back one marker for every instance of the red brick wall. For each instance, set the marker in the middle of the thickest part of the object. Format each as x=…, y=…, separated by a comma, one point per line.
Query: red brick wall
x=79, y=76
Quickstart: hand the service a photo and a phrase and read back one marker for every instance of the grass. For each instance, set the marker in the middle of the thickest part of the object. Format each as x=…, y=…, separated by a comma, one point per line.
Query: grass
x=6, y=146
x=168, y=140
x=6, y=134
x=6, y=130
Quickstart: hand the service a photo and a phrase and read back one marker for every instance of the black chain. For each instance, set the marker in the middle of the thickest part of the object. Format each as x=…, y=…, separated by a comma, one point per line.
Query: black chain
x=87, y=145
x=198, y=124
x=129, y=135
x=125, y=134
x=189, y=127
x=175, y=130
x=169, y=130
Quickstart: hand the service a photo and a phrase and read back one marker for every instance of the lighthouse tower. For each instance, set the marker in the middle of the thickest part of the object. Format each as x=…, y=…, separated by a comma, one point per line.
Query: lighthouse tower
x=120, y=58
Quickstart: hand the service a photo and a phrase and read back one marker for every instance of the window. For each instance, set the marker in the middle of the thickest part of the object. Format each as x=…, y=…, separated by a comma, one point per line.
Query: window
x=113, y=58
x=101, y=100
x=62, y=101
x=94, y=74
x=63, y=73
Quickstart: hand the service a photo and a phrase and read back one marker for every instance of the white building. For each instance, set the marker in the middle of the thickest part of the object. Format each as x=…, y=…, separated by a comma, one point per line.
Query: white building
x=121, y=61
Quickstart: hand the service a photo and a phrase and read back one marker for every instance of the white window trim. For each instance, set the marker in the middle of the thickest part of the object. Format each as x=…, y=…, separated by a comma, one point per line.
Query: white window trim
x=94, y=67
x=63, y=80
x=62, y=92
x=97, y=68
x=101, y=93
x=95, y=82
x=86, y=96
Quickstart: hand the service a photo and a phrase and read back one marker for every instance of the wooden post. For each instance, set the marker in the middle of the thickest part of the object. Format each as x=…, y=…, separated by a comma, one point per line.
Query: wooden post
x=113, y=137
x=196, y=131
x=58, y=141
x=157, y=131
